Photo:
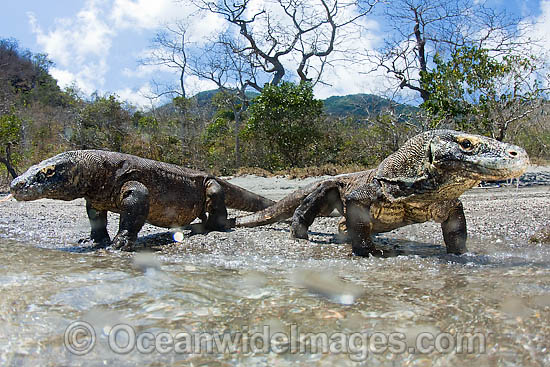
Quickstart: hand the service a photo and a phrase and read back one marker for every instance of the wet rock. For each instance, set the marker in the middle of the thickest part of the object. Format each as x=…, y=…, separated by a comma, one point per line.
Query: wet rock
x=327, y=285
x=542, y=236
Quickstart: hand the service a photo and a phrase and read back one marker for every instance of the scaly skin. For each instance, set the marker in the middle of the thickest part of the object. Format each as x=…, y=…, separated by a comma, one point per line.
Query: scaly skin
x=139, y=189
x=420, y=182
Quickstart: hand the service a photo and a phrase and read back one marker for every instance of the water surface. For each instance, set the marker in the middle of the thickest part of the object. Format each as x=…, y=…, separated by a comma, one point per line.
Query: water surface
x=367, y=309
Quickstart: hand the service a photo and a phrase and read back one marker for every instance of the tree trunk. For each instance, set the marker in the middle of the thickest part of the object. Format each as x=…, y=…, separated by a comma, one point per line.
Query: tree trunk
x=421, y=53
x=7, y=162
x=237, y=139
x=10, y=168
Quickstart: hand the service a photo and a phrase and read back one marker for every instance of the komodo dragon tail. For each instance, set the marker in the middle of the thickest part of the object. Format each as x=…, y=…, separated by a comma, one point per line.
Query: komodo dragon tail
x=281, y=210
x=238, y=198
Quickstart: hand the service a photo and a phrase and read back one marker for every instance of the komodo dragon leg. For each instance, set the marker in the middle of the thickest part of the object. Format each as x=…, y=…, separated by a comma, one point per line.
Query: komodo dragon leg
x=134, y=208
x=359, y=219
x=454, y=230
x=98, y=222
x=323, y=200
x=215, y=207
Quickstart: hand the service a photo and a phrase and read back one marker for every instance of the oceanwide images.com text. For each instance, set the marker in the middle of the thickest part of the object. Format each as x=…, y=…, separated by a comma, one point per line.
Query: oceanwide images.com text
x=80, y=338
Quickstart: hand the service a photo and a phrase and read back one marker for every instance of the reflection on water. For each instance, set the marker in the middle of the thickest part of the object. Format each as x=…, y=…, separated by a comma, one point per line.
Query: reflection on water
x=367, y=309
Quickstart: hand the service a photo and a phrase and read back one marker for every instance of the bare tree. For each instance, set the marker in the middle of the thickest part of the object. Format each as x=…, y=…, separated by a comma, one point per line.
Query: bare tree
x=257, y=46
x=519, y=101
x=289, y=35
x=420, y=29
x=169, y=50
x=232, y=72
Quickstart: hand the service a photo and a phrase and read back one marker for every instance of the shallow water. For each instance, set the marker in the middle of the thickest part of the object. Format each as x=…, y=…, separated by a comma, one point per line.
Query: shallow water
x=145, y=309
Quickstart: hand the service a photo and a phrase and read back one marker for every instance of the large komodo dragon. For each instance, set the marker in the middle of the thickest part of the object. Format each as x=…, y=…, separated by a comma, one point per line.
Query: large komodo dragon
x=420, y=182
x=139, y=189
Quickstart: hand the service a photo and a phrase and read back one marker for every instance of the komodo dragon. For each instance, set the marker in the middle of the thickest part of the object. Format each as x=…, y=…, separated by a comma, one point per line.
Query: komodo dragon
x=139, y=189
x=420, y=182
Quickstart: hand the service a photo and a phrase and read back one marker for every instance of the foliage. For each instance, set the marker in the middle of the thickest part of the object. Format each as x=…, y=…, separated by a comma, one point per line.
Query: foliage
x=369, y=144
x=219, y=142
x=10, y=129
x=417, y=30
x=103, y=123
x=145, y=123
x=480, y=92
x=284, y=120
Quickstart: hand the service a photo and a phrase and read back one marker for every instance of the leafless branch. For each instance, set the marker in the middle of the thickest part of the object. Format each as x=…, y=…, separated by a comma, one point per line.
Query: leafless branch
x=289, y=29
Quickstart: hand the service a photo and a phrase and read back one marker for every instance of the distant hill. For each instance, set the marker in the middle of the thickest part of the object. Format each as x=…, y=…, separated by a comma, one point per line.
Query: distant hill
x=358, y=106
x=203, y=103
x=363, y=106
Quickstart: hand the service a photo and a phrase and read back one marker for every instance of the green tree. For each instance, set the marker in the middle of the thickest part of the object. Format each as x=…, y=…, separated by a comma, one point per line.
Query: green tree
x=480, y=92
x=218, y=139
x=10, y=136
x=103, y=124
x=418, y=29
x=284, y=121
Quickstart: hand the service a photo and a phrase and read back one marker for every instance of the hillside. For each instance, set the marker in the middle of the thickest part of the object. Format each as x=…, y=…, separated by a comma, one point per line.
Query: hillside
x=363, y=106
x=358, y=106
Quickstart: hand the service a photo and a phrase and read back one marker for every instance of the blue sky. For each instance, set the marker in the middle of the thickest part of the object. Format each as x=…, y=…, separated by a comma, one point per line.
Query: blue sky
x=97, y=43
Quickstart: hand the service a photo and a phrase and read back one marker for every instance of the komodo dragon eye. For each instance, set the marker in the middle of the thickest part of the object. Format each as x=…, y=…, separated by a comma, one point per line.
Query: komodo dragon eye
x=466, y=145
x=48, y=171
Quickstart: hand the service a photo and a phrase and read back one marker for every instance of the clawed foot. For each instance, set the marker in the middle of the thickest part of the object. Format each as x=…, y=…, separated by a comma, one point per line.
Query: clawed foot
x=198, y=228
x=230, y=223
x=218, y=224
x=366, y=252
x=365, y=249
x=298, y=231
x=123, y=242
x=95, y=244
x=208, y=226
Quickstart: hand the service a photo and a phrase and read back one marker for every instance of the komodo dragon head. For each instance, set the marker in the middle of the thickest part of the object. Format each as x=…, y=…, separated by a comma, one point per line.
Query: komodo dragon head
x=477, y=157
x=454, y=154
x=57, y=177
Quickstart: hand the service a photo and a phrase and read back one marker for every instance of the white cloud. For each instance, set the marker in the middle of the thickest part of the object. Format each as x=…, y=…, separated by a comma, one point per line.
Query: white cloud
x=203, y=28
x=79, y=46
x=542, y=24
x=154, y=14
x=537, y=30
x=148, y=69
x=88, y=78
x=84, y=36
x=541, y=32
x=140, y=72
x=147, y=14
x=349, y=80
x=64, y=77
x=139, y=98
x=194, y=85
x=144, y=96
